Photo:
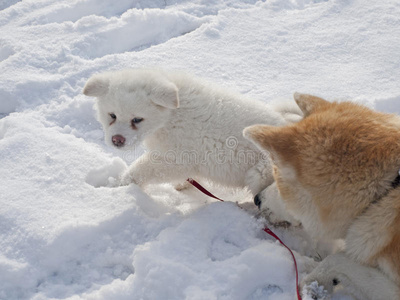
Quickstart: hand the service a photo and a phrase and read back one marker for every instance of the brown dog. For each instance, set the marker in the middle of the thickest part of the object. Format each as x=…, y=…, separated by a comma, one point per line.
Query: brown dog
x=337, y=171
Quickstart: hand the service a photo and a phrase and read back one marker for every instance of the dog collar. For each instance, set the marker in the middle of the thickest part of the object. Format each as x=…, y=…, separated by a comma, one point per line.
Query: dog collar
x=395, y=184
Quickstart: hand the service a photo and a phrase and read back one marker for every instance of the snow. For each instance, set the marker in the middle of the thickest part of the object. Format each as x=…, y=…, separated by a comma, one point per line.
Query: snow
x=63, y=235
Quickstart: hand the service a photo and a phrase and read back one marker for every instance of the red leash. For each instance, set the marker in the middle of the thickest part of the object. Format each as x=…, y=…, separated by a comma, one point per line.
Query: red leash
x=266, y=229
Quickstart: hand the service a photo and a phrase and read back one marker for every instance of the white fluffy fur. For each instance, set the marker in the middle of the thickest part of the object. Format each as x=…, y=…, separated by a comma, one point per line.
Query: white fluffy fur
x=191, y=128
x=360, y=282
x=274, y=208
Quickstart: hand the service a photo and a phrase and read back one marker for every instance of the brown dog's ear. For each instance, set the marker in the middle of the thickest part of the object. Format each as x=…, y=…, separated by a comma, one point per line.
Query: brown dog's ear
x=96, y=86
x=280, y=142
x=261, y=135
x=165, y=94
x=309, y=103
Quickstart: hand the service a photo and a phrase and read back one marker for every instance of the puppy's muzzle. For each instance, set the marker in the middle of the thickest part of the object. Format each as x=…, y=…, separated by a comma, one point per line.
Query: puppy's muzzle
x=118, y=140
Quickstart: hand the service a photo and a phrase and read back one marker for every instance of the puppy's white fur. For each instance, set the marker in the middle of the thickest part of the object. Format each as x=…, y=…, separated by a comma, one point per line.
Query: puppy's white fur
x=274, y=208
x=190, y=128
x=339, y=274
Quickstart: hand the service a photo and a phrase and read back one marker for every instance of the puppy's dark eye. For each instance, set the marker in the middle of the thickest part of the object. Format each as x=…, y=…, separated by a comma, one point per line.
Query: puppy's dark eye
x=137, y=120
x=113, y=116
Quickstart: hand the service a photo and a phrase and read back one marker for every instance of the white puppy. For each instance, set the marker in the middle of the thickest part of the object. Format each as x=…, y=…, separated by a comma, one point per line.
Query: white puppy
x=190, y=128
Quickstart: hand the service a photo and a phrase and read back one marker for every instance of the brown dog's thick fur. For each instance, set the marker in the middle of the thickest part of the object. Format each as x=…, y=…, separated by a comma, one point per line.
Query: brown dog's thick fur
x=336, y=172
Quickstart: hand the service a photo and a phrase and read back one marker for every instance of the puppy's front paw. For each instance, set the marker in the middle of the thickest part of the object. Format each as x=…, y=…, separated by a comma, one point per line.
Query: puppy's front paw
x=314, y=291
x=125, y=179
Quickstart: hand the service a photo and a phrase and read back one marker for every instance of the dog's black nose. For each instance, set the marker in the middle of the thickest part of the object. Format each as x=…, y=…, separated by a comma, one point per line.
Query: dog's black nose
x=118, y=140
x=257, y=201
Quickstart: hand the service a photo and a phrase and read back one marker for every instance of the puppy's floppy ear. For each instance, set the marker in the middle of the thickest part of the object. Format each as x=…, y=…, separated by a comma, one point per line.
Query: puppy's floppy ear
x=309, y=103
x=96, y=86
x=165, y=94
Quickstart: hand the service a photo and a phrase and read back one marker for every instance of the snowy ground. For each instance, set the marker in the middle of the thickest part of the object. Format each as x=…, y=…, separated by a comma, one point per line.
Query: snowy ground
x=62, y=238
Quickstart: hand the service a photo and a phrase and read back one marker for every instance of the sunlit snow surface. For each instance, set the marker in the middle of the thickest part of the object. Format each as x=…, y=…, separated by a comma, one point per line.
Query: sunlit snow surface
x=62, y=238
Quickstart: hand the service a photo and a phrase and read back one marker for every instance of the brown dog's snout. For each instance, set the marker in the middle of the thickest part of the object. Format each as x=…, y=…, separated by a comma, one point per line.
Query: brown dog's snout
x=118, y=140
